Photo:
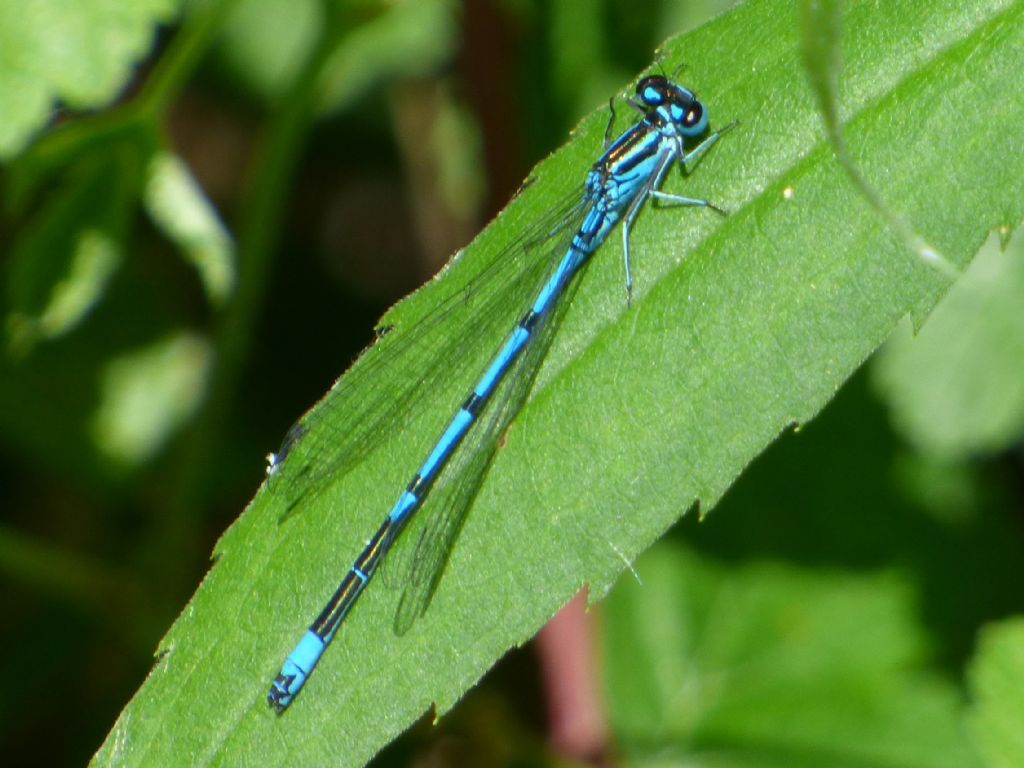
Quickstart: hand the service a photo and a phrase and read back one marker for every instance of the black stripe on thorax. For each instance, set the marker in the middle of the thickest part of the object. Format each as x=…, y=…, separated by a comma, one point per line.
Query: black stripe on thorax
x=639, y=154
x=636, y=135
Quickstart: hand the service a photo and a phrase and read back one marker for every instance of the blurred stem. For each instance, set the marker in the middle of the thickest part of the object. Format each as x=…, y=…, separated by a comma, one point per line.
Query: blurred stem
x=62, y=572
x=578, y=726
x=190, y=43
x=258, y=229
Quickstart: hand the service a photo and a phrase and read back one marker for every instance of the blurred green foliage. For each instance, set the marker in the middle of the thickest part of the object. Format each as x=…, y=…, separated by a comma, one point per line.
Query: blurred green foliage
x=207, y=206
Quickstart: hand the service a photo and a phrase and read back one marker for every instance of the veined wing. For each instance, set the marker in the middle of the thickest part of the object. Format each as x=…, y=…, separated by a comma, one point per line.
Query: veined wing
x=413, y=362
x=422, y=558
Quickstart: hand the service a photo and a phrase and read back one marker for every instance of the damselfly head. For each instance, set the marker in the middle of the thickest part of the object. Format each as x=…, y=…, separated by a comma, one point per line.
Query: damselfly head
x=675, y=103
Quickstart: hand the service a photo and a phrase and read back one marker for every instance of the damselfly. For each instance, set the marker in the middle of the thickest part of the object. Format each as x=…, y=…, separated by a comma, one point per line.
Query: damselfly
x=629, y=172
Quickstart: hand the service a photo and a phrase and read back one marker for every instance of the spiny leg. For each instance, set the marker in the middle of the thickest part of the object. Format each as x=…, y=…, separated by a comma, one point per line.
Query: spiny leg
x=611, y=117
x=634, y=209
x=687, y=161
x=697, y=152
x=631, y=214
x=611, y=122
x=652, y=191
x=681, y=200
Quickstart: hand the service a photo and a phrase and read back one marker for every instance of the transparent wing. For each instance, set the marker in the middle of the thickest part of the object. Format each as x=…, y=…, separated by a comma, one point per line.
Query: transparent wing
x=438, y=524
x=413, y=361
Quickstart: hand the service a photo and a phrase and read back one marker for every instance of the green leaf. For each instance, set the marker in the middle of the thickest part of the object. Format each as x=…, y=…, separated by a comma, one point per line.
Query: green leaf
x=145, y=396
x=62, y=262
x=266, y=42
x=402, y=39
x=955, y=389
x=73, y=52
x=997, y=679
x=179, y=207
x=738, y=328
x=753, y=665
